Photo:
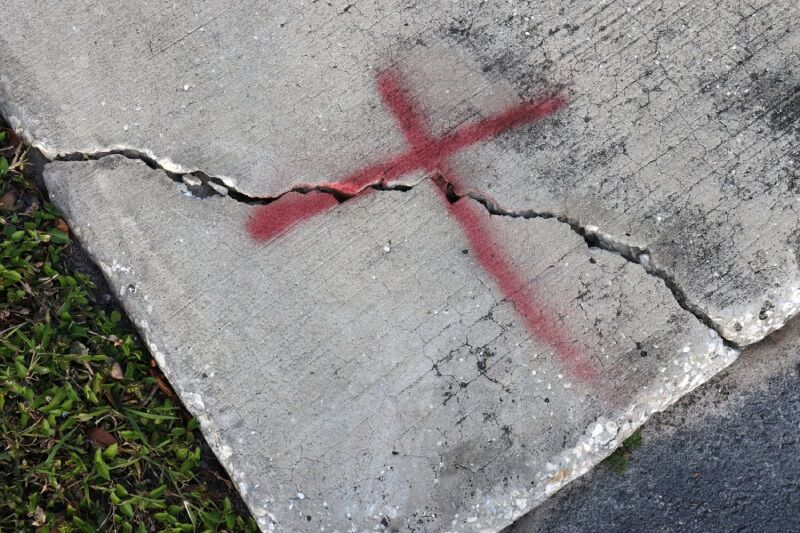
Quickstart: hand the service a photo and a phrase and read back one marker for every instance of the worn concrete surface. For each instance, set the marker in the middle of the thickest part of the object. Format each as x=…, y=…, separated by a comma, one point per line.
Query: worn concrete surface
x=363, y=369
x=724, y=458
x=384, y=346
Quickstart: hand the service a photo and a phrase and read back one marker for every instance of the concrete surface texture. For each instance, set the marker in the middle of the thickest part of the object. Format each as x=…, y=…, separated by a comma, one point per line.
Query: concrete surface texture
x=487, y=243
x=724, y=458
x=364, y=369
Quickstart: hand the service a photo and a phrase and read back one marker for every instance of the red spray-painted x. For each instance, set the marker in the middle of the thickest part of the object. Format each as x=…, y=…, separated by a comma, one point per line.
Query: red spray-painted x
x=429, y=154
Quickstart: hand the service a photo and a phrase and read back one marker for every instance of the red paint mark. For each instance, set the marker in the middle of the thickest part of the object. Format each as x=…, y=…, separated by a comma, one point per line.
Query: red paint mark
x=429, y=154
x=272, y=219
x=425, y=154
x=473, y=221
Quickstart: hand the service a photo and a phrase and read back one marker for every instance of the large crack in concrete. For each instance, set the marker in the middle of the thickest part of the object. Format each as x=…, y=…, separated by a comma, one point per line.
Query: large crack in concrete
x=202, y=185
x=634, y=254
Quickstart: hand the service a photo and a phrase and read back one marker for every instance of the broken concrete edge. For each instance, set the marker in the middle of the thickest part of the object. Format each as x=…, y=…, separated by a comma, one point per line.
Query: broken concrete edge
x=606, y=434
x=53, y=154
x=197, y=183
x=195, y=179
x=753, y=329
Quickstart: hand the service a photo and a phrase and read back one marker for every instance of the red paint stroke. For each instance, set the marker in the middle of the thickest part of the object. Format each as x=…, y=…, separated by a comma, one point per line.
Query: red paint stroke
x=473, y=220
x=272, y=219
x=425, y=154
x=429, y=153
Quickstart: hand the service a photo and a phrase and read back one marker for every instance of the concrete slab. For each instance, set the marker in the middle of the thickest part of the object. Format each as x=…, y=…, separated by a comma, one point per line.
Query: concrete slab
x=365, y=370
x=680, y=145
x=665, y=134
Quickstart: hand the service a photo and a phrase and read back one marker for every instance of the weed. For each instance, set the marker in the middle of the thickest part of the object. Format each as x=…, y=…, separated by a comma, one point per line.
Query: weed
x=618, y=461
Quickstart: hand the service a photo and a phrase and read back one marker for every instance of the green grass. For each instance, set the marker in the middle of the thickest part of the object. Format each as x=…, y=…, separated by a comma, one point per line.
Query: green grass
x=91, y=436
x=618, y=461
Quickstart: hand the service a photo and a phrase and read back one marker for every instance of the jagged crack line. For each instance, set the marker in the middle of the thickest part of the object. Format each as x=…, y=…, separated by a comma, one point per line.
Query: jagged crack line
x=197, y=182
x=203, y=185
x=596, y=239
x=211, y=185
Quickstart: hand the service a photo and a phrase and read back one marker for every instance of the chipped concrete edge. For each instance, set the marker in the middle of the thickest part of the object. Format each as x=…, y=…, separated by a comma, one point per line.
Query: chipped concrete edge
x=740, y=326
x=51, y=153
x=690, y=369
x=221, y=184
x=748, y=328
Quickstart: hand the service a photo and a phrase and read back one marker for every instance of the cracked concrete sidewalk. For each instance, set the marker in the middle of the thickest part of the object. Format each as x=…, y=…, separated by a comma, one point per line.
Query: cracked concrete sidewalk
x=481, y=308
